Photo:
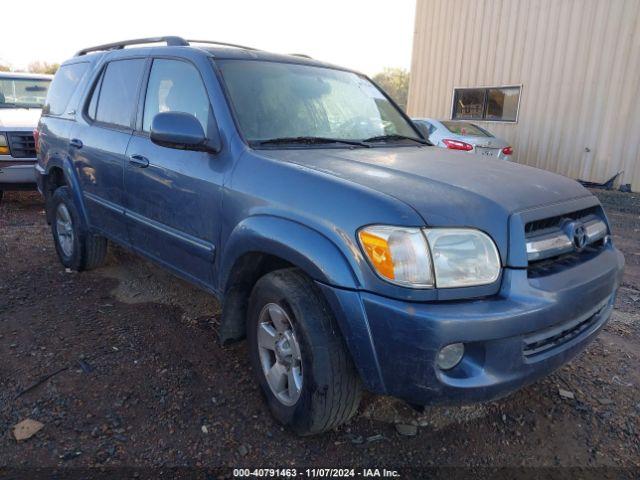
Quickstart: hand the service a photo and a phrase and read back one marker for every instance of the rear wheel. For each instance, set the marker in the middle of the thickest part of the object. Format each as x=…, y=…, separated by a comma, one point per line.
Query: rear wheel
x=76, y=248
x=298, y=355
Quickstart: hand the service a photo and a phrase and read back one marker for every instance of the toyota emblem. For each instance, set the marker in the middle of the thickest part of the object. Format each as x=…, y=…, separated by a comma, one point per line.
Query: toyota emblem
x=579, y=237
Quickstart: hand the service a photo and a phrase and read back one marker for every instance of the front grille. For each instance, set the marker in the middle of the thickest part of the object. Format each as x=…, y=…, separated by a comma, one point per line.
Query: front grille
x=22, y=145
x=542, y=342
x=545, y=224
x=557, y=264
x=553, y=243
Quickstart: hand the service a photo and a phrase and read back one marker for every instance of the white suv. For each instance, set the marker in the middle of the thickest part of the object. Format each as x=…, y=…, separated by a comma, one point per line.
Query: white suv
x=21, y=98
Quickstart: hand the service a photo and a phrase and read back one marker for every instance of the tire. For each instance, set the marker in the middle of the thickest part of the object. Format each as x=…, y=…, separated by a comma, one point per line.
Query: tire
x=77, y=249
x=330, y=388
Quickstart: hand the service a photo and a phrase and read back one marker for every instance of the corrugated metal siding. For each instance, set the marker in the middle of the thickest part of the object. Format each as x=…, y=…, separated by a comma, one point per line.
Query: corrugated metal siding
x=578, y=62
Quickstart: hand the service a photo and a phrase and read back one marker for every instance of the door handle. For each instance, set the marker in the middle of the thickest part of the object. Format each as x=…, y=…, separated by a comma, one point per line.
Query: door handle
x=75, y=143
x=139, y=161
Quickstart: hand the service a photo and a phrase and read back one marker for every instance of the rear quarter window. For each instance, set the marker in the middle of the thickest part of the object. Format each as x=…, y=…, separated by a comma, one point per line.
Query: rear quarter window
x=64, y=84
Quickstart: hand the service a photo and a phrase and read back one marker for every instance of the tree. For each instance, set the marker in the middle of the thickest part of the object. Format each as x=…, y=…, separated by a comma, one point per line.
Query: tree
x=5, y=68
x=394, y=81
x=43, y=67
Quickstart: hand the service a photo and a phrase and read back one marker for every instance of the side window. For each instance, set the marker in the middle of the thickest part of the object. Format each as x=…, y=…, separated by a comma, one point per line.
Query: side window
x=64, y=84
x=114, y=99
x=175, y=86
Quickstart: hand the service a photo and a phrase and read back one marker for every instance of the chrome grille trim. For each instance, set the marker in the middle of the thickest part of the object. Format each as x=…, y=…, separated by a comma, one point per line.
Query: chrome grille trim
x=557, y=243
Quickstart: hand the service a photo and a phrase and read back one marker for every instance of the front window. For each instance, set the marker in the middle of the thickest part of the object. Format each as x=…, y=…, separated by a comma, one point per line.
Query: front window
x=23, y=92
x=288, y=101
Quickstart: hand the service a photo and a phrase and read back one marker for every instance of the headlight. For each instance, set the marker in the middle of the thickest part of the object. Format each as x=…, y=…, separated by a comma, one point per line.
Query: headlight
x=463, y=257
x=4, y=146
x=441, y=257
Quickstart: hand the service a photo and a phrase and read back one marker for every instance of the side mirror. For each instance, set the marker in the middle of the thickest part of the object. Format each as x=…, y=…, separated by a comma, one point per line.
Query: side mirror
x=178, y=130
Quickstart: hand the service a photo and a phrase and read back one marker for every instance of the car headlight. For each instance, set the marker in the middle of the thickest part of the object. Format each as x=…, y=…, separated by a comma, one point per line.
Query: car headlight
x=4, y=146
x=434, y=257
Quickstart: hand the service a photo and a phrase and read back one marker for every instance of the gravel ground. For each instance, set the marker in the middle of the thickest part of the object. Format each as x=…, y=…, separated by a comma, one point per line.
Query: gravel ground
x=136, y=378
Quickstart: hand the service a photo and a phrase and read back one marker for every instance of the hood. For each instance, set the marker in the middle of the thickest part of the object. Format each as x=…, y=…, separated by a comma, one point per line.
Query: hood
x=19, y=117
x=446, y=188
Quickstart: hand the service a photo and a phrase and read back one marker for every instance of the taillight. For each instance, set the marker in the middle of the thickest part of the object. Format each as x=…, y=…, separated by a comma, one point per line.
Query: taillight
x=457, y=145
x=36, y=139
x=507, y=150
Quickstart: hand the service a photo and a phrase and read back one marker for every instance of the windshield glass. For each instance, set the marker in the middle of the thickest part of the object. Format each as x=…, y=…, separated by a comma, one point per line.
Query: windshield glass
x=23, y=92
x=281, y=100
x=466, y=128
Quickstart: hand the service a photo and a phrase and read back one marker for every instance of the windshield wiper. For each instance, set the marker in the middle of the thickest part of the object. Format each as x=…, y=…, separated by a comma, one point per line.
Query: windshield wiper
x=309, y=140
x=394, y=136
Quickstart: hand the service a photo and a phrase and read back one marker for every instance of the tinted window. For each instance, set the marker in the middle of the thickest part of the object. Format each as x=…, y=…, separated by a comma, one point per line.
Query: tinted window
x=488, y=104
x=63, y=86
x=175, y=86
x=118, y=92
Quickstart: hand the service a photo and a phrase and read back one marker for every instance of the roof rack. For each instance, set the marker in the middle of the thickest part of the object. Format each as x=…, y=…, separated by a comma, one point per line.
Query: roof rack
x=303, y=55
x=170, y=41
x=224, y=44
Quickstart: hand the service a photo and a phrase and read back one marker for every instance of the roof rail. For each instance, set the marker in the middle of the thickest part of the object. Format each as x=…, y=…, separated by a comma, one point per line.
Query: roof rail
x=170, y=41
x=224, y=44
x=303, y=55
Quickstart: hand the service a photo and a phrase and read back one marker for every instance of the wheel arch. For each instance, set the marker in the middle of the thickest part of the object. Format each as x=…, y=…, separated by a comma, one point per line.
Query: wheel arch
x=58, y=173
x=261, y=244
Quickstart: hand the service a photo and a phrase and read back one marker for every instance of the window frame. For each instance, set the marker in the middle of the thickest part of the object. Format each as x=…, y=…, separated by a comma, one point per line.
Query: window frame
x=97, y=81
x=142, y=97
x=484, y=105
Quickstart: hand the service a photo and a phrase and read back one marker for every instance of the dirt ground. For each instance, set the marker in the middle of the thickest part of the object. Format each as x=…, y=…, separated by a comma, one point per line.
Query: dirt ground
x=137, y=378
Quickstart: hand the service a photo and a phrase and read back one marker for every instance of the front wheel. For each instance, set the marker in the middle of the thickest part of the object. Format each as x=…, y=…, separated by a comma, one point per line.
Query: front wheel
x=298, y=354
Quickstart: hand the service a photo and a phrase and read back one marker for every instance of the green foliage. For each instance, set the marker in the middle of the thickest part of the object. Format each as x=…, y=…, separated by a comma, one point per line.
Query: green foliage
x=394, y=81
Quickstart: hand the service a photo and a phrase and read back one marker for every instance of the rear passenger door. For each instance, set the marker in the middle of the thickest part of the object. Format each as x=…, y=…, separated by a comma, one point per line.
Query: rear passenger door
x=98, y=143
x=173, y=196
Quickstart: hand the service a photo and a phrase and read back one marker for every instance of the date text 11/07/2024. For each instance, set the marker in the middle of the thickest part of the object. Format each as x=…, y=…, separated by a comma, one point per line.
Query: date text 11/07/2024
x=315, y=473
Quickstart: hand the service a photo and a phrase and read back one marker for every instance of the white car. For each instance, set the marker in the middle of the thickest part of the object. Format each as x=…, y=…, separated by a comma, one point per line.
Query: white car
x=464, y=136
x=22, y=96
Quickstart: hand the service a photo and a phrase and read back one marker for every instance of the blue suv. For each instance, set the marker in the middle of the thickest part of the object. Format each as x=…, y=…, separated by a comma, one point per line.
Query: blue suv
x=348, y=251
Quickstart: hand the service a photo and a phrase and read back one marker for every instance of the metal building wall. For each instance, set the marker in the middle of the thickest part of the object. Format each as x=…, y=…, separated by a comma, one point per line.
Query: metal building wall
x=578, y=62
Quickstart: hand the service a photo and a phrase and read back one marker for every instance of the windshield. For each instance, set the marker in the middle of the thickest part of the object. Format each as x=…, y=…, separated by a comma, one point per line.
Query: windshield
x=23, y=92
x=291, y=101
x=466, y=128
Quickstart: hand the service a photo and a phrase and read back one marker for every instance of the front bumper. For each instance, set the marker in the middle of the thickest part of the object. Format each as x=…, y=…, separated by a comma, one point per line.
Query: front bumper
x=17, y=174
x=394, y=343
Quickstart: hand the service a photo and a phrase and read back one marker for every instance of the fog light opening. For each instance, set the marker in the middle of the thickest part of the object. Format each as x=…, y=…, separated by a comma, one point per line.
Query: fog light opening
x=450, y=356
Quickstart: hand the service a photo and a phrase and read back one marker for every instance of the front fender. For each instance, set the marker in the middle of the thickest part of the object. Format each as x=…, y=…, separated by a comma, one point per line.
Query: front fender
x=299, y=245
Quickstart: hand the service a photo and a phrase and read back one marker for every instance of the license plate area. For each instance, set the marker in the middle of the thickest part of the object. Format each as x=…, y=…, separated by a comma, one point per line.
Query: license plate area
x=487, y=152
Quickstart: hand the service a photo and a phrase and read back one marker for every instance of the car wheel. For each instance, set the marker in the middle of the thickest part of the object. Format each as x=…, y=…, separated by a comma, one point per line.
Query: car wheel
x=298, y=354
x=76, y=248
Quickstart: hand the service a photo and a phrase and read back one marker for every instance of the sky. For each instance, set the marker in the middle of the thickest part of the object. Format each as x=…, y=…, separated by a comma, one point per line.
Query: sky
x=365, y=35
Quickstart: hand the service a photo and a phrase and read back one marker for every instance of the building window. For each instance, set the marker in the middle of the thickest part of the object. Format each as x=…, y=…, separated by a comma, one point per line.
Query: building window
x=494, y=104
